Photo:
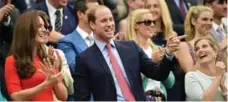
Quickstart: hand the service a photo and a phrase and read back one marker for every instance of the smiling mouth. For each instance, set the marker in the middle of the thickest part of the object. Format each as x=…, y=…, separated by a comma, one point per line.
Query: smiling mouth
x=42, y=35
x=202, y=56
x=109, y=30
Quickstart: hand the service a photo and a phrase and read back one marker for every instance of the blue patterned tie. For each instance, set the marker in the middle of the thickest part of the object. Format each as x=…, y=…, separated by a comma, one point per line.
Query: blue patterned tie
x=220, y=34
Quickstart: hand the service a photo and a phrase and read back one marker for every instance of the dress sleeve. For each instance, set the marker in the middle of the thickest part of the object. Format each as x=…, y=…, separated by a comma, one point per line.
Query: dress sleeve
x=11, y=76
x=193, y=88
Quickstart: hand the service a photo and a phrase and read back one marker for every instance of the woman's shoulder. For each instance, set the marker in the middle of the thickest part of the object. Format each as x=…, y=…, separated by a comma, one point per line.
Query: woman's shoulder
x=10, y=63
x=191, y=74
x=10, y=58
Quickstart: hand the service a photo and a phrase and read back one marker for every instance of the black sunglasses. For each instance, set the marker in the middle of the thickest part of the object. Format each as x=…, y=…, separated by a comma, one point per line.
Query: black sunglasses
x=48, y=27
x=146, y=22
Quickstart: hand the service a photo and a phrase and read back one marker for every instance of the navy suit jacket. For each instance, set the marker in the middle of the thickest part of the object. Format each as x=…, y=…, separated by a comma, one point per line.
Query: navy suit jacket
x=69, y=18
x=93, y=75
x=72, y=44
x=176, y=16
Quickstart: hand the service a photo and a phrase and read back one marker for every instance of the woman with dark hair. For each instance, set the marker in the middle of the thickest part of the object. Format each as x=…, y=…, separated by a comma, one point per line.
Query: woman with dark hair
x=209, y=81
x=31, y=74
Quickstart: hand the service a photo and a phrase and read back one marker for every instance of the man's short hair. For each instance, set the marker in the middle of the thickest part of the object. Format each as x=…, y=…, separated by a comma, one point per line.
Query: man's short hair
x=92, y=12
x=81, y=5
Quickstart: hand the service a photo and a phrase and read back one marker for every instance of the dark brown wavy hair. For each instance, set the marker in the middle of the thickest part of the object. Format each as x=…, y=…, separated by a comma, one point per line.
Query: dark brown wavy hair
x=23, y=44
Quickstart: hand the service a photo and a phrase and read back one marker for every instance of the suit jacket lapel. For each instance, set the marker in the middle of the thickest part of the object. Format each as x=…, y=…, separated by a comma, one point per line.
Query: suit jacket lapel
x=45, y=9
x=225, y=29
x=175, y=8
x=100, y=59
x=214, y=34
x=188, y=4
x=79, y=41
x=127, y=67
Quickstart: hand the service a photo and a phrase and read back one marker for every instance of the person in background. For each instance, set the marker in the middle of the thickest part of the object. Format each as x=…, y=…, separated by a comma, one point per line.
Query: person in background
x=178, y=10
x=163, y=30
x=198, y=24
x=81, y=38
x=8, y=17
x=106, y=70
x=163, y=24
x=30, y=73
x=219, y=30
x=140, y=29
x=131, y=5
x=63, y=19
x=209, y=81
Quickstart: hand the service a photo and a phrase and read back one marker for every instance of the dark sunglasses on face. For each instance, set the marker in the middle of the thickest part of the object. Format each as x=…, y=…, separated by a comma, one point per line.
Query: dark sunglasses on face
x=48, y=27
x=146, y=22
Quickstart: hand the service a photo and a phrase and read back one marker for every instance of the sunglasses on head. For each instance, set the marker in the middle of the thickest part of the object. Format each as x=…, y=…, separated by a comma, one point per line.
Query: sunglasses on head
x=146, y=22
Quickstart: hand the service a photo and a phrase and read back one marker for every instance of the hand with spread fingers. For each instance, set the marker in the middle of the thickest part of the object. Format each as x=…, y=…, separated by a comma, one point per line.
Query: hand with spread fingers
x=221, y=75
x=173, y=44
x=51, y=54
x=220, y=68
x=158, y=55
x=49, y=70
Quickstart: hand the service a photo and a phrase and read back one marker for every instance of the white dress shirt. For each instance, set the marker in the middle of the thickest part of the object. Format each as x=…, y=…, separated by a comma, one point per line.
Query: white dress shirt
x=51, y=13
x=85, y=36
x=216, y=26
x=178, y=5
x=104, y=51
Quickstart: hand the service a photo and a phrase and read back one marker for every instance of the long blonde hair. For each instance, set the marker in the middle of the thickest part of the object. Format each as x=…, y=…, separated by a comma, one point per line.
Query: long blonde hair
x=193, y=13
x=133, y=18
x=167, y=24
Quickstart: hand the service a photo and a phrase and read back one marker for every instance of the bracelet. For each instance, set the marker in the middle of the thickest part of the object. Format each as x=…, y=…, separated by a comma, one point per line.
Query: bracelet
x=224, y=93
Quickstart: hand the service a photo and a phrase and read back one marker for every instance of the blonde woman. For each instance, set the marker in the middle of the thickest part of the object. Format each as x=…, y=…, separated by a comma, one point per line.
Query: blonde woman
x=163, y=23
x=140, y=29
x=164, y=30
x=209, y=81
x=198, y=24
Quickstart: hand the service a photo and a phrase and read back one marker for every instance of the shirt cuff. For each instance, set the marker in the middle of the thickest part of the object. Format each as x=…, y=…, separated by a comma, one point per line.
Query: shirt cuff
x=170, y=57
x=7, y=22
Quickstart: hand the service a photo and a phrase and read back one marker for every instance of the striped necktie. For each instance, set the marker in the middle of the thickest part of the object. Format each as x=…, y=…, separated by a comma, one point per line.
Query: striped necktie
x=58, y=25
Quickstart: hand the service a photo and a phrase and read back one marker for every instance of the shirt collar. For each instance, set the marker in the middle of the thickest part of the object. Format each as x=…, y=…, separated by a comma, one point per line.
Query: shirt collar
x=52, y=9
x=216, y=26
x=177, y=2
x=101, y=45
x=83, y=34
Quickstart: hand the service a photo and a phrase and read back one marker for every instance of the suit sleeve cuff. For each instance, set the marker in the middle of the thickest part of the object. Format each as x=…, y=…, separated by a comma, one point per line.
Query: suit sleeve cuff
x=169, y=56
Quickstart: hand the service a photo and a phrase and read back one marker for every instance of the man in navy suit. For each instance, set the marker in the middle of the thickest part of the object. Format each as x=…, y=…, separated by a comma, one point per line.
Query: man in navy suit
x=178, y=10
x=62, y=18
x=81, y=38
x=219, y=30
x=111, y=70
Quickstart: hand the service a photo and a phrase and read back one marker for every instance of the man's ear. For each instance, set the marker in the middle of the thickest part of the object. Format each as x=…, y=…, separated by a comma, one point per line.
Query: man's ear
x=79, y=14
x=92, y=25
